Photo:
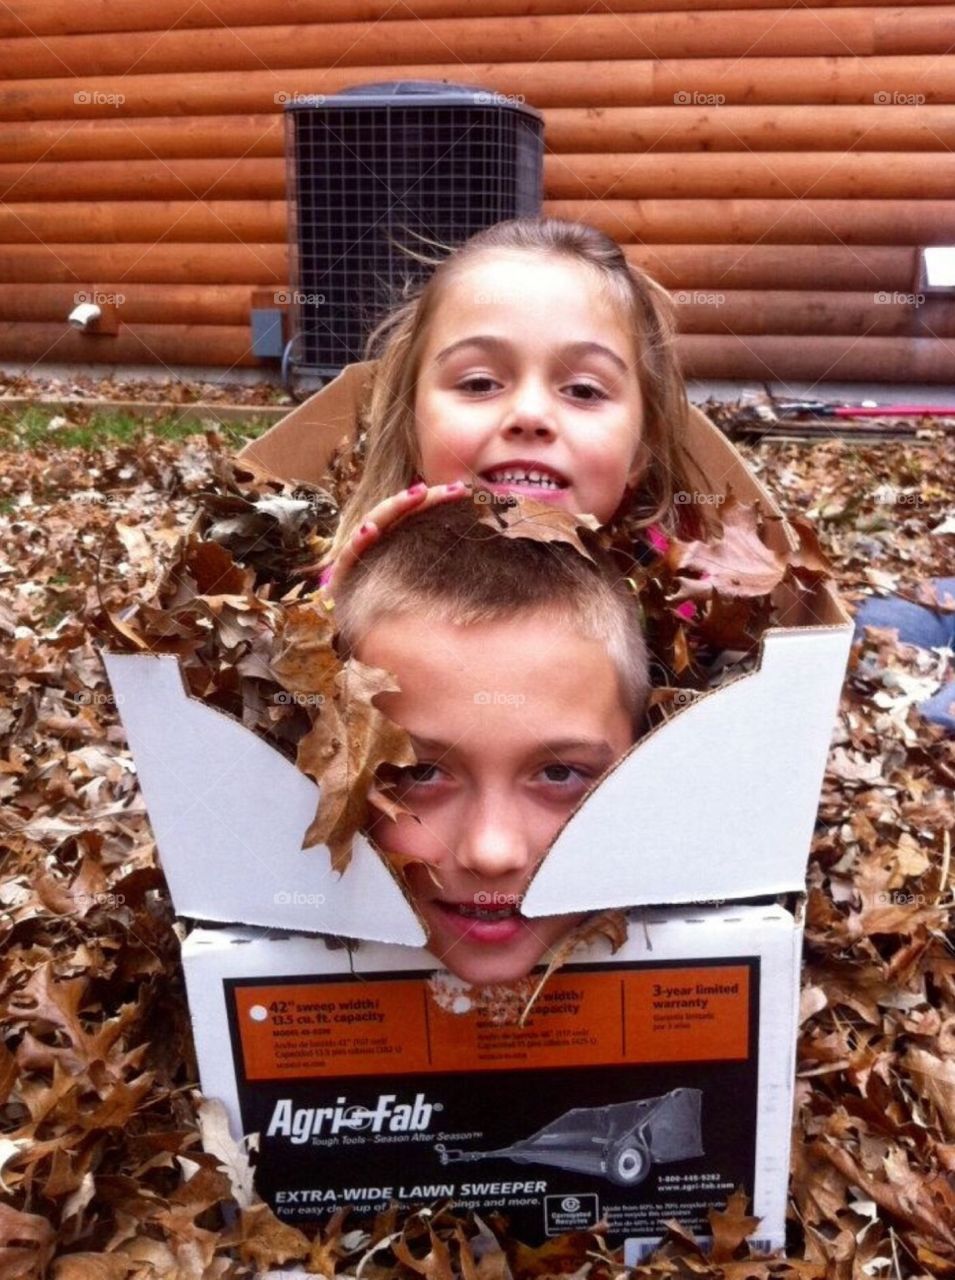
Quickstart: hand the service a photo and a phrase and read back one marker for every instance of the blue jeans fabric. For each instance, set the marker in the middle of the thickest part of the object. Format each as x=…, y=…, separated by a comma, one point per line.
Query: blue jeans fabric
x=919, y=625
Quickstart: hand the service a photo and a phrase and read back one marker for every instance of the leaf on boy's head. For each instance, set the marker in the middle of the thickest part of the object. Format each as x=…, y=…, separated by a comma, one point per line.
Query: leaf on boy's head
x=515, y=517
x=349, y=741
x=305, y=660
x=737, y=564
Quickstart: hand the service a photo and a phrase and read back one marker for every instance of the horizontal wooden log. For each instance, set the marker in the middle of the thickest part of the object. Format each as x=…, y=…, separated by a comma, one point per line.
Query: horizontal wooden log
x=743, y=222
x=220, y=179
x=766, y=176
x=162, y=263
x=567, y=129
x=881, y=313
x=819, y=359
x=821, y=175
x=606, y=37
x=913, y=81
x=143, y=222
x=749, y=128
x=23, y=18
x=778, y=266
x=200, y=345
x=676, y=266
x=134, y=303
x=877, y=313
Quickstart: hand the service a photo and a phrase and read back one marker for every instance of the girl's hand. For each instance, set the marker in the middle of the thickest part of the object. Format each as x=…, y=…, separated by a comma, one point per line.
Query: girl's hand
x=386, y=514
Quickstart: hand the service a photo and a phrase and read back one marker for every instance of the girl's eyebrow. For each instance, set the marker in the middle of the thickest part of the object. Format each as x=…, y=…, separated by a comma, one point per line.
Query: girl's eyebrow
x=492, y=343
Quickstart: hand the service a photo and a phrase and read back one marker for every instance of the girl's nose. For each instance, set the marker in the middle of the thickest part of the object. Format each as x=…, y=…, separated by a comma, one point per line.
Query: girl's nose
x=530, y=413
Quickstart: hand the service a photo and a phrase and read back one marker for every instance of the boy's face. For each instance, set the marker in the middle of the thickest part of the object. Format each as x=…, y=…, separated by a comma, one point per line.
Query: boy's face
x=528, y=368
x=513, y=721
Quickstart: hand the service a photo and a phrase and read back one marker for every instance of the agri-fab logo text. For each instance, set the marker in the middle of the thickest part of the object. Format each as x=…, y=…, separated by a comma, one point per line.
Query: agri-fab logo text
x=298, y=1124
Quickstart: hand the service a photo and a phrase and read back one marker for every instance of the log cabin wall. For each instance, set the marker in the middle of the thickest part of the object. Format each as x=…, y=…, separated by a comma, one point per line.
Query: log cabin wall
x=777, y=167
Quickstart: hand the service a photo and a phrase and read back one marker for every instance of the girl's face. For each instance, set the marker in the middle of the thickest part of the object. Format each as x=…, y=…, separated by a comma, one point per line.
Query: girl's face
x=528, y=384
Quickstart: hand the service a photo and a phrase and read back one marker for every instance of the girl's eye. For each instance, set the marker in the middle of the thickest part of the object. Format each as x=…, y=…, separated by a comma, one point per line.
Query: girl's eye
x=477, y=384
x=590, y=392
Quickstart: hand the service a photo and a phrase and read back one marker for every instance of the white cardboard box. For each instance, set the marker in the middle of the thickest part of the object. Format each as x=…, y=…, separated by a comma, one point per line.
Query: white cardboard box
x=717, y=804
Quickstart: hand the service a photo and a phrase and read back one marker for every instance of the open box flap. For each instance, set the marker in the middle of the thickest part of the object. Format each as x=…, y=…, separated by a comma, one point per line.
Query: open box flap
x=718, y=803
x=229, y=812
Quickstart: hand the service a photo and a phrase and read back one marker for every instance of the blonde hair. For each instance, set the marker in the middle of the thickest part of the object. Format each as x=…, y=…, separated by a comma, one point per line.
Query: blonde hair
x=446, y=564
x=397, y=343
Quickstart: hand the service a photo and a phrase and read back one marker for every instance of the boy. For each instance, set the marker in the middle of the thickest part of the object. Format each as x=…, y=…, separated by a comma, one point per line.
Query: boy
x=523, y=678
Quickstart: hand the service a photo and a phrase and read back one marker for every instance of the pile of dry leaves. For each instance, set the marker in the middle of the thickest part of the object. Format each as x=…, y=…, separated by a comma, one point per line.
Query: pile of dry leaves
x=103, y=1167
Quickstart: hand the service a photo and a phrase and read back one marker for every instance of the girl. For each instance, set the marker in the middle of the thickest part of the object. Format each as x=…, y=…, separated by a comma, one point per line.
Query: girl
x=534, y=360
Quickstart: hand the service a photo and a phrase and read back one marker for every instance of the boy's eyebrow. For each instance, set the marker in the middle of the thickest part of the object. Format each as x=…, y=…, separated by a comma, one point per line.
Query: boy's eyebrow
x=600, y=746
x=494, y=343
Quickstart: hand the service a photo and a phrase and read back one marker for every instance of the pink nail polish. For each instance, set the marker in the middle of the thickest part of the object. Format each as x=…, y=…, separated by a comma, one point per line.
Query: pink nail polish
x=418, y=488
x=363, y=528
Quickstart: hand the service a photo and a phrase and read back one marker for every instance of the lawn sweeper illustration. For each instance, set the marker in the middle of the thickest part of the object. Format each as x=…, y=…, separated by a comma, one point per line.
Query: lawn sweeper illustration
x=619, y=1141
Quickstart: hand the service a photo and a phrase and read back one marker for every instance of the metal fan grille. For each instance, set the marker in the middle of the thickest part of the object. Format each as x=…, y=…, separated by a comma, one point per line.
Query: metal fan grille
x=367, y=182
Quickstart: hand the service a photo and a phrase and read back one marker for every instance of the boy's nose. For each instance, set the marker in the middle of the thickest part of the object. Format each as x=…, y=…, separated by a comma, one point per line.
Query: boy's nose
x=492, y=845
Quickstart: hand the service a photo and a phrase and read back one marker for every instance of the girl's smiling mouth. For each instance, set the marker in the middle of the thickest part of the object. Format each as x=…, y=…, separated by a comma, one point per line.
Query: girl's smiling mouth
x=523, y=476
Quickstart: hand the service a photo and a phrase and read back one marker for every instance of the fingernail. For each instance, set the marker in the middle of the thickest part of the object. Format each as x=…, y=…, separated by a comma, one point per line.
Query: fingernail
x=418, y=488
x=364, y=528
x=457, y=484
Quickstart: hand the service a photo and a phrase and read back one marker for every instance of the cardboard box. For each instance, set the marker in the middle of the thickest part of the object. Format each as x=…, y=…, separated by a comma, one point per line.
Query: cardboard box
x=650, y=1085
x=717, y=804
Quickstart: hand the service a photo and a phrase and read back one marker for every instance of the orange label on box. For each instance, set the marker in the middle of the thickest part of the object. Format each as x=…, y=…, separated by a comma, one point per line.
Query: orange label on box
x=583, y=1018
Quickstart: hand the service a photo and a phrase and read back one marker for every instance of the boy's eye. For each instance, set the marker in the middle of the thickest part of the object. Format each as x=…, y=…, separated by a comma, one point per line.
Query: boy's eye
x=564, y=773
x=410, y=775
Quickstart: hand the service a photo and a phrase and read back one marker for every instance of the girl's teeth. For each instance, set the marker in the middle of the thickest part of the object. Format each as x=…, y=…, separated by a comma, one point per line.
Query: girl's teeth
x=524, y=477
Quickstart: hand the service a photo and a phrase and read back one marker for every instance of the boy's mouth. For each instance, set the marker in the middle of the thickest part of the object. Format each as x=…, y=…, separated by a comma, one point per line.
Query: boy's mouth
x=481, y=910
x=481, y=922
x=526, y=475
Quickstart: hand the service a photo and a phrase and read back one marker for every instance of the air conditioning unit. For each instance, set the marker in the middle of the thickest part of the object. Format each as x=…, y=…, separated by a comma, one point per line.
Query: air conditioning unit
x=381, y=168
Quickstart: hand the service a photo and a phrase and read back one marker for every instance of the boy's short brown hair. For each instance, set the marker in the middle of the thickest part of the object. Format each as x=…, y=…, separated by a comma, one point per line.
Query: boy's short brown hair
x=447, y=564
